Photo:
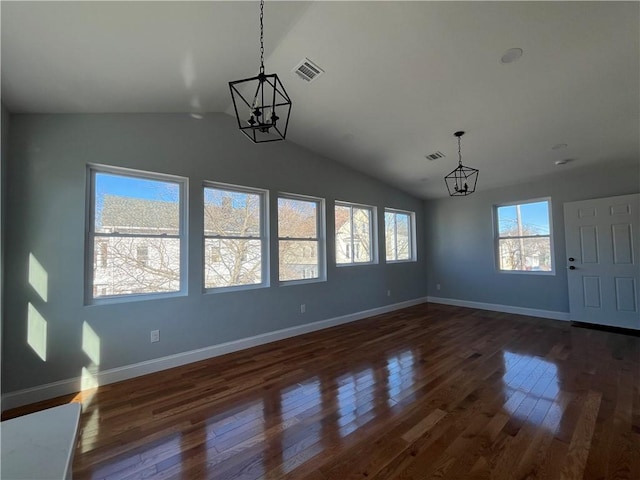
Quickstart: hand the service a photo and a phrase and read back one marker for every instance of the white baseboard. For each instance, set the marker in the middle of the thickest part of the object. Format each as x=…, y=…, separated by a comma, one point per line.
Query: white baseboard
x=532, y=312
x=73, y=385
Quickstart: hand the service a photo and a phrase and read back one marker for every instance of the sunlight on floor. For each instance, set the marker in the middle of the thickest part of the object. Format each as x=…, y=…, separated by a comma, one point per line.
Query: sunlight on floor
x=88, y=381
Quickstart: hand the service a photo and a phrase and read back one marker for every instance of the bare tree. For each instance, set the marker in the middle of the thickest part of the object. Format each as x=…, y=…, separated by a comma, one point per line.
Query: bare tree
x=126, y=270
x=298, y=239
x=353, y=234
x=136, y=249
x=397, y=235
x=233, y=247
x=523, y=248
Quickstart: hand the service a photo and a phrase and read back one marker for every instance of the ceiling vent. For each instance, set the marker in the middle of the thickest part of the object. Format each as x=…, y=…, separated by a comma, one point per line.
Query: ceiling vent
x=434, y=156
x=308, y=70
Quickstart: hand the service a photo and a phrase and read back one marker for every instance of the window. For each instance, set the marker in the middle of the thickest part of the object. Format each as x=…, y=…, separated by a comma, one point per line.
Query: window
x=300, y=238
x=354, y=233
x=136, y=233
x=235, y=238
x=523, y=237
x=399, y=235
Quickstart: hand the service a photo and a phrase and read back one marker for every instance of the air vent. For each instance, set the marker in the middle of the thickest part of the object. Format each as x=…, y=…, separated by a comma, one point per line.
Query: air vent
x=434, y=156
x=308, y=70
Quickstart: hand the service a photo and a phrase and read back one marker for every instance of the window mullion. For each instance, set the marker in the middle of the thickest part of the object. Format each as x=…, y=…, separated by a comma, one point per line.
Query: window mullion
x=353, y=249
x=132, y=235
x=395, y=235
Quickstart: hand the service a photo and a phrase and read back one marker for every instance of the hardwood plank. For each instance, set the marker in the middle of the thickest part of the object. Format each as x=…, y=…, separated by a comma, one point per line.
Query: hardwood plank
x=581, y=440
x=431, y=391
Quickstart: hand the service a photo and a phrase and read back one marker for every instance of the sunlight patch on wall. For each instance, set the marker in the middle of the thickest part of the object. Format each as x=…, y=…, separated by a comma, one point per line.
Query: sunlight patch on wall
x=38, y=277
x=37, y=332
x=91, y=343
x=188, y=70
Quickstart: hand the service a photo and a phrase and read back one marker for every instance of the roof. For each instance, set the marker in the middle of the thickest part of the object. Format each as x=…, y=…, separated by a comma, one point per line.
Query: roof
x=138, y=213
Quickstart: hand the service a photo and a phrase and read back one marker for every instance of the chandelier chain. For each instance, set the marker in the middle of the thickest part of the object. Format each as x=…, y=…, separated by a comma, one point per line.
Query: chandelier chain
x=459, y=153
x=261, y=36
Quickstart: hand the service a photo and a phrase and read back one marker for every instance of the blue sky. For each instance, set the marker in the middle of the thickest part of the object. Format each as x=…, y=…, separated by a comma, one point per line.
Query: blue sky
x=215, y=196
x=133, y=187
x=533, y=215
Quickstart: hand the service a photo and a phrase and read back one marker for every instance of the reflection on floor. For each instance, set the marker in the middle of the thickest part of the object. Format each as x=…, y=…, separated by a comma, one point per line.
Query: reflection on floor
x=430, y=391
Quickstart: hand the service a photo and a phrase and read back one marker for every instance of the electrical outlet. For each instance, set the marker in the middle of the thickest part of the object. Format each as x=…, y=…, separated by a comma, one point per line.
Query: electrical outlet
x=303, y=308
x=155, y=336
x=388, y=293
x=437, y=286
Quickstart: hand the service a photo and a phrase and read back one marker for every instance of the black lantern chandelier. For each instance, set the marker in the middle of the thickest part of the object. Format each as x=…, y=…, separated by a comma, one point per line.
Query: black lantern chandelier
x=261, y=102
x=462, y=181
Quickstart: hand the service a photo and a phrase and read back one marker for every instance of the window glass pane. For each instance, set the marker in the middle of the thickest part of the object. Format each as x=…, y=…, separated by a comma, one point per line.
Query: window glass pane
x=507, y=221
x=398, y=236
x=298, y=259
x=527, y=254
x=297, y=218
x=229, y=213
x=232, y=262
x=523, y=220
x=389, y=235
x=361, y=235
x=402, y=236
x=126, y=265
x=535, y=218
x=136, y=205
x=343, y=234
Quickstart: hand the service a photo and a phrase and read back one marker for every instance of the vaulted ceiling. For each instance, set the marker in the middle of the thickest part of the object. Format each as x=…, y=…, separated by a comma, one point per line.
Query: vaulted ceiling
x=400, y=77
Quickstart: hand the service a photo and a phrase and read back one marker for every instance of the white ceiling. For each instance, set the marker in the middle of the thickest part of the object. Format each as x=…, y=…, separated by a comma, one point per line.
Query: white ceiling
x=400, y=78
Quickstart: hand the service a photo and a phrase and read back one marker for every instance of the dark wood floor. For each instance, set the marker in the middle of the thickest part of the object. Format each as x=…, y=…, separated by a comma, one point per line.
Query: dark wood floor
x=427, y=392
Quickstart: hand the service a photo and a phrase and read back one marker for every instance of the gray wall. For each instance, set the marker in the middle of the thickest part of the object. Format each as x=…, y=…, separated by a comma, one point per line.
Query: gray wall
x=460, y=244
x=46, y=217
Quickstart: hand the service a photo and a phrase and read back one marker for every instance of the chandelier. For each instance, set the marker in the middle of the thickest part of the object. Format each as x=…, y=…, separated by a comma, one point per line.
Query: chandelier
x=261, y=103
x=462, y=180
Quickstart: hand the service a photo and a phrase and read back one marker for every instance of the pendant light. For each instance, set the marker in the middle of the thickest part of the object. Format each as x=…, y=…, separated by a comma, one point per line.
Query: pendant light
x=261, y=103
x=462, y=180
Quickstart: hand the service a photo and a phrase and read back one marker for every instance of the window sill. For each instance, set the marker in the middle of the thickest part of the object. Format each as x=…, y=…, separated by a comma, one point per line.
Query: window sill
x=529, y=272
x=287, y=283
x=94, y=302
x=355, y=264
x=234, y=288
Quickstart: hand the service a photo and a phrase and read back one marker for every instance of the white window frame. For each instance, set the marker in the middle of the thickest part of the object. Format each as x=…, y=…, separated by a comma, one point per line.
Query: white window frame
x=91, y=234
x=264, y=236
x=373, y=233
x=321, y=238
x=497, y=238
x=412, y=235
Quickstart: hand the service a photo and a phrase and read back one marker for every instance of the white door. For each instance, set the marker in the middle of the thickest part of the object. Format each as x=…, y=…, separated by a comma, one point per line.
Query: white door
x=602, y=257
